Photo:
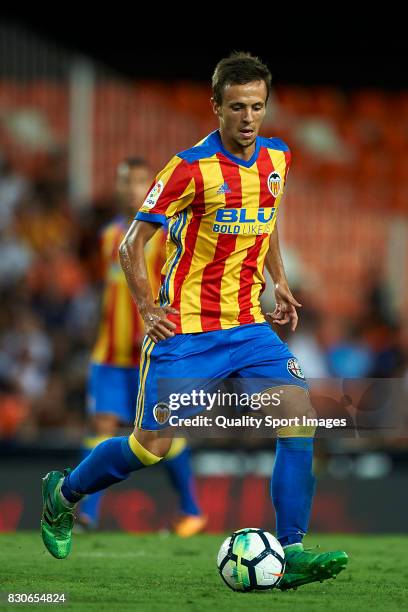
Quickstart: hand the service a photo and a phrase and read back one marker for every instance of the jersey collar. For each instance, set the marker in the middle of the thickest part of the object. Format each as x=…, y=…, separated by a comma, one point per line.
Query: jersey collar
x=238, y=160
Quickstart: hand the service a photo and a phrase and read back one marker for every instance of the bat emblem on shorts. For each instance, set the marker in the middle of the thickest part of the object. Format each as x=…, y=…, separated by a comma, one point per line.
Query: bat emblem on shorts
x=161, y=413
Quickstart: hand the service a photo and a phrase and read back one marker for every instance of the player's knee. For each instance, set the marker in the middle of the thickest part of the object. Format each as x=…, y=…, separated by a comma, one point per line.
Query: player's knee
x=153, y=443
x=296, y=431
x=295, y=402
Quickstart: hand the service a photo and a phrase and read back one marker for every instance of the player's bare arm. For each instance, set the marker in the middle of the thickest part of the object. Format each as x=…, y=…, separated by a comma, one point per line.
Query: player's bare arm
x=285, y=310
x=132, y=259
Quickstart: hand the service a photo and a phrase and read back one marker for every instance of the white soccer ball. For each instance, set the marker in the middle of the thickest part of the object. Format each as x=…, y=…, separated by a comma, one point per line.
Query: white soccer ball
x=251, y=559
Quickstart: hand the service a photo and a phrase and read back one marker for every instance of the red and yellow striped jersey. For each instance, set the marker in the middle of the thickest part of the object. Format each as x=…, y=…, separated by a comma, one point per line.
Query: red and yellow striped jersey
x=121, y=329
x=222, y=211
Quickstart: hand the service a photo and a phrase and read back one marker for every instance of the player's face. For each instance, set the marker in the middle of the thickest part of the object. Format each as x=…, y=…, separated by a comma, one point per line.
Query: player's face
x=131, y=186
x=241, y=114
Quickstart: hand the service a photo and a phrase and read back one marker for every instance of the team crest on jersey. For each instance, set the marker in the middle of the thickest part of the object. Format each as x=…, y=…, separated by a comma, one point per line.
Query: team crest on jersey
x=161, y=413
x=153, y=196
x=295, y=369
x=275, y=183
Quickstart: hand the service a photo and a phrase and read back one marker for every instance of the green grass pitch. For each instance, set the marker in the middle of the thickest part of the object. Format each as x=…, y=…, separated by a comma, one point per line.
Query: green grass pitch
x=116, y=571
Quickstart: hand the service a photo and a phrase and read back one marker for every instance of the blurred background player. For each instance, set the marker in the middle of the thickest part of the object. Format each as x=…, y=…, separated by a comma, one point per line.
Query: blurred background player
x=114, y=370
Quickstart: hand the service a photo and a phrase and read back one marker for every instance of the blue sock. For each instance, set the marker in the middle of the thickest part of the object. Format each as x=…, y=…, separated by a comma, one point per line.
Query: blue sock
x=179, y=470
x=109, y=462
x=292, y=488
x=91, y=504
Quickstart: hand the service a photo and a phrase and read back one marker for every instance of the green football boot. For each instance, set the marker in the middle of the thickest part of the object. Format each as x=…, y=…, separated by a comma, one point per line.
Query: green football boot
x=304, y=566
x=57, y=520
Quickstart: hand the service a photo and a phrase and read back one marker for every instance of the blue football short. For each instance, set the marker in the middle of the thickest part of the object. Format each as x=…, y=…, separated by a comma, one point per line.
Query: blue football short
x=252, y=351
x=113, y=390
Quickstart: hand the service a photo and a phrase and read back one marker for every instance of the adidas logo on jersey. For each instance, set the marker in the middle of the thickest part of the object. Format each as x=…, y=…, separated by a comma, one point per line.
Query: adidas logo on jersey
x=224, y=189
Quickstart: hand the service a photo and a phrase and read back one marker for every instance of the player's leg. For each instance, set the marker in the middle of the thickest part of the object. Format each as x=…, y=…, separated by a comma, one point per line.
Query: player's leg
x=178, y=465
x=293, y=483
x=110, y=462
x=114, y=459
x=292, y=490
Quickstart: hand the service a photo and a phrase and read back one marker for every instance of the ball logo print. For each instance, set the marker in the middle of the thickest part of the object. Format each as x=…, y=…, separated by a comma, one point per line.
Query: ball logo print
x=251, y=559
x=295, y=369
x=161, y=413
x=152, y=196
x=275, y=183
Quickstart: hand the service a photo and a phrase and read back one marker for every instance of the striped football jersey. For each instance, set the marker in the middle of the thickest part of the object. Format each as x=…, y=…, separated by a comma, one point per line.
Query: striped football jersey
x=222, y=210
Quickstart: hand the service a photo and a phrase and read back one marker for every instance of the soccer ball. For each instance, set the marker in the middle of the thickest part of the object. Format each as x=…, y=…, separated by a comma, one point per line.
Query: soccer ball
x=251, y=559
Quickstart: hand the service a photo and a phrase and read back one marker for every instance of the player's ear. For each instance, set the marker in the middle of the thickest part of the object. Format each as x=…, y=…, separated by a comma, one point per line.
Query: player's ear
x=215, y=107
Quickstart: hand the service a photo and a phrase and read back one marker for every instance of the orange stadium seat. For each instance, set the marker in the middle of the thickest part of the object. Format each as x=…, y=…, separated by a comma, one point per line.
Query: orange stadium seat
x=330, y=103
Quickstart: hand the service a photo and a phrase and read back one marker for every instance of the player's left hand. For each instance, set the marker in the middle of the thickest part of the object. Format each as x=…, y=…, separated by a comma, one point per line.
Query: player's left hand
x=285, y=310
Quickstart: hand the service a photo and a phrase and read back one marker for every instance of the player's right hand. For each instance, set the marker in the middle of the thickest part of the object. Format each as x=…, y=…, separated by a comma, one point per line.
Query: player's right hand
x=157, y=325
